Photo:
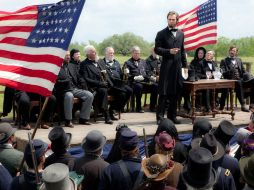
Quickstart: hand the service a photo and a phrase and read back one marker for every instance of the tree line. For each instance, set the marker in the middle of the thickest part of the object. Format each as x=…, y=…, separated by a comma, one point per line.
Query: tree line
x=122, y=44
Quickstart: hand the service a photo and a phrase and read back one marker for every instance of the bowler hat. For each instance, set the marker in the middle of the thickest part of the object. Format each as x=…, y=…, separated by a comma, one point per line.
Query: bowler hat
x=93, y=141
x=40, y=148
x=200, y=128
x=247, y=168
x=157, y=167
x=59, y=138
x=128, y=140
x=165, y=141
x=199, y=173
x=56, y=176
x=247, y=77
x=6, y=131
x=209, y=142
x=224, y=132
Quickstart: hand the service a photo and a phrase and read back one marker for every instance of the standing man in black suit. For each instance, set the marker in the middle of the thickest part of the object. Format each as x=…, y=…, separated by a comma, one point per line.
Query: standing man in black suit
x=169, y=43
x=232, y=68
x=97, y=79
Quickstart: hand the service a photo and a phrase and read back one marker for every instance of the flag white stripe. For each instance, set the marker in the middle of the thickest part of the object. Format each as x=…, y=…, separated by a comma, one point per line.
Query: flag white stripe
x=23, y=35
x=200, y=41
x=18, y=23
x=32, y=50
x=22, y=13
x=200, y=34
x=27, y=80
x=33, y=66
x=186, y=16
x=200, y=28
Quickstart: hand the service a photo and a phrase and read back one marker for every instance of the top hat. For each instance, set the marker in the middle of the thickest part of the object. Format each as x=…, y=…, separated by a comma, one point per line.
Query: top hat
x=165, y=141
x=247, y=168
x=200, y=128
x=224, y=132
x=128, y=140
x=93, y=141
x=209, y=142
x=247, y=77
x=56, y=176
x=6, y=131
x=199, y=173
x=157, y=167
x=59, y=138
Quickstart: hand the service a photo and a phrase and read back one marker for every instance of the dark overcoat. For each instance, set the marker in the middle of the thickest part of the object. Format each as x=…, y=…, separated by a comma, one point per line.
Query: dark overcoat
x=93, y=75
x=170, y=73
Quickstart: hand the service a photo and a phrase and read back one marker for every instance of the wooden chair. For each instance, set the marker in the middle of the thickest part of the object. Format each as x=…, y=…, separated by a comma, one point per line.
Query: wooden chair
x=33, y=103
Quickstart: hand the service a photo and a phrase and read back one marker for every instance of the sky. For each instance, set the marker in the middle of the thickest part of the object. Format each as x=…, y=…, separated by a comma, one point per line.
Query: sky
x=103, y=18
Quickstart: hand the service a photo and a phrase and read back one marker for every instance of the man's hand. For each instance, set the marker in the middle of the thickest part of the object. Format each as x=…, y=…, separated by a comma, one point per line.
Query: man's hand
x=153, y=79
x=174, y=50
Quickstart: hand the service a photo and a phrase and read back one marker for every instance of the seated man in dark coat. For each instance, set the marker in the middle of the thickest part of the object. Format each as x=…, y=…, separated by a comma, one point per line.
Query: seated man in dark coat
x=120, y=91
x=97, y=79
x=232, y=68
x=140, y=79
x=69, y=85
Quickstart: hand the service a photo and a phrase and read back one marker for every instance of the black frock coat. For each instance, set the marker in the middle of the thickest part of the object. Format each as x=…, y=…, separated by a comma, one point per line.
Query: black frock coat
x=170, y=72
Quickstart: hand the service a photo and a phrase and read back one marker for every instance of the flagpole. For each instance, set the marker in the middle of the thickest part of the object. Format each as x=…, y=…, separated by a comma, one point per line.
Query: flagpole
x=35, y=128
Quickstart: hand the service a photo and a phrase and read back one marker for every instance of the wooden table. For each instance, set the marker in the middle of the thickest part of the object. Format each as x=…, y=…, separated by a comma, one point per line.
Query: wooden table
x=211, y=84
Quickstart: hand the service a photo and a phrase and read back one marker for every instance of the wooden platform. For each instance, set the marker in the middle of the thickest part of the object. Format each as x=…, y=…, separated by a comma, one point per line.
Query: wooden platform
x=136, y=121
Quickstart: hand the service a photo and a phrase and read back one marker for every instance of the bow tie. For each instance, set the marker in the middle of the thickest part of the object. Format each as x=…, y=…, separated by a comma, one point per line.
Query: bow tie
x=173, y=30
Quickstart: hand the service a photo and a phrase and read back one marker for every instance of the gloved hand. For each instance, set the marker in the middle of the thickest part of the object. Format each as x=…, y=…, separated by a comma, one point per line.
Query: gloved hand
x=153, y=79
x=139, y=78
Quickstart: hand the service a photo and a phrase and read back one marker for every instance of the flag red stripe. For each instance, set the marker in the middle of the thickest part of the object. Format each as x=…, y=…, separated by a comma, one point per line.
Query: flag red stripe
x=200, y=30
x=199, y=38
x=20, y=17
x=25, y=87
x=31, y=58
x=14, y=41
x=29, y=72
x=7, y=29
x=201, y=44
x=29, y=8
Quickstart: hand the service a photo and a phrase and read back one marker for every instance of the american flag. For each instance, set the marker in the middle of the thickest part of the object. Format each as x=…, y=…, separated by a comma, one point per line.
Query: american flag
x=199, y=25
x=33, y=43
